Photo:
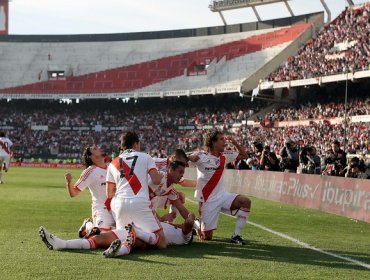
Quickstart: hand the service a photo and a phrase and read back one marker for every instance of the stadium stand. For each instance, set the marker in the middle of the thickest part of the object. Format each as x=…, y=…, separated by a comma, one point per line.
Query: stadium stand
x=218, y=60
x=50, y=129
x=341, y=46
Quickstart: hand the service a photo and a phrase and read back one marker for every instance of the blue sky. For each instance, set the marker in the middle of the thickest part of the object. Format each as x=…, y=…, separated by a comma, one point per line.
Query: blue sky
x=117, y=16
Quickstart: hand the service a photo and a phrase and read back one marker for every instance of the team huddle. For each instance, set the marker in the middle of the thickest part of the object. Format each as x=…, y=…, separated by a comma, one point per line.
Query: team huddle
x=127, y=192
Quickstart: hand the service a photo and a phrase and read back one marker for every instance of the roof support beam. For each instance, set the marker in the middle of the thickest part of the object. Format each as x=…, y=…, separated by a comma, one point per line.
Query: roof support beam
x=222, y=17
x=326, y=9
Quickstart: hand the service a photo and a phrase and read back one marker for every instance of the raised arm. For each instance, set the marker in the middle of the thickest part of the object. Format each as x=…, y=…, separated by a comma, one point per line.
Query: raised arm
x=241, y=150
x=71, y=190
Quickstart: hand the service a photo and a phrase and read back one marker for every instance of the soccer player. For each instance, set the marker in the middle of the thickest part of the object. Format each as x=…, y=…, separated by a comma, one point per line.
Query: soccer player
x=120, y=241
x=93, y=177
x=6, y=146
x=210, y=191
x=167, y=192
x=127, y=182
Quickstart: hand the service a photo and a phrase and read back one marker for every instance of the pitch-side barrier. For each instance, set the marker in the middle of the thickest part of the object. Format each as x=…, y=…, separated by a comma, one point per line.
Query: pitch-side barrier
x=342, y=196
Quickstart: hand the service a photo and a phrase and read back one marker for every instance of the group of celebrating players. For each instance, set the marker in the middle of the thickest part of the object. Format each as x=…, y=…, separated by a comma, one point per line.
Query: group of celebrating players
x=127, y=192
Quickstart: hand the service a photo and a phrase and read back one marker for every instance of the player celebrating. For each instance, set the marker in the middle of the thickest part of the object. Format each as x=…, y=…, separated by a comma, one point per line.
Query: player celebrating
x=165, y=193
x=210, y=190
x=93, y=177
x=6, y=146
x=127, y=181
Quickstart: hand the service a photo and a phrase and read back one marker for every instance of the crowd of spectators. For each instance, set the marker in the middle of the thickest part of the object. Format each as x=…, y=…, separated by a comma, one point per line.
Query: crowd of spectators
x=340, y=47
x=52, y=130
x=320, y=111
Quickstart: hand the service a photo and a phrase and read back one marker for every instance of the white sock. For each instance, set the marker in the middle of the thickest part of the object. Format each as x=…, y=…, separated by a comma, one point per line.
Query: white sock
x=241, y=219
x=85, y=244
x=147, y=237
x=124, y=250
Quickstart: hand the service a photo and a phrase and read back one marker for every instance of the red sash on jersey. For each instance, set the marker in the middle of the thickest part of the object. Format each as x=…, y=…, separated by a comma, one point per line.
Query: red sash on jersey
x=5, y=148
x=212, y=183
x=132, y=180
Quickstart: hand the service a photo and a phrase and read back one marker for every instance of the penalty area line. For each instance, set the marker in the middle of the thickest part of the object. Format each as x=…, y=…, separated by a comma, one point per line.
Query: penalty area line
x=300, y=243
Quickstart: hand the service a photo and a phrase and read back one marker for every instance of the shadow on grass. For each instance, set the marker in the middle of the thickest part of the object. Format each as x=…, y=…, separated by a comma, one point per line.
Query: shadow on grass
x=221, y=247
x=267, y=252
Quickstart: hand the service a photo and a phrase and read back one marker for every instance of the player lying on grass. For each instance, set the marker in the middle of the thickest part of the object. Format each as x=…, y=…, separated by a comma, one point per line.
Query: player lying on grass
x=175, y=235
x=210, y=191
x=121, y=241
x=93, y=177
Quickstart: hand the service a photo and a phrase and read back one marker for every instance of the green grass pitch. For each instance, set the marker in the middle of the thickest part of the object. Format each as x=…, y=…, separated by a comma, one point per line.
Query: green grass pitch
x=32, y=197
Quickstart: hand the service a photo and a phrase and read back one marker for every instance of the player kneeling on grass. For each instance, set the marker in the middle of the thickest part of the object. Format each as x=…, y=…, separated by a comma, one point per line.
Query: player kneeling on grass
x=128, y=190
x=210, y=190
x=93, y=177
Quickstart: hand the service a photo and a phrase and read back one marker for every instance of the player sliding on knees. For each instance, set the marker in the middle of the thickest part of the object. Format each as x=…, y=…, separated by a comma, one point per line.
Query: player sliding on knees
x=210, y=190
x=93, y=177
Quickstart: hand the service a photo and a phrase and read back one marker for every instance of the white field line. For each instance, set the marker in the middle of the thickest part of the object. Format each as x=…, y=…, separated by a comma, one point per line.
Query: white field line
x=300, y=243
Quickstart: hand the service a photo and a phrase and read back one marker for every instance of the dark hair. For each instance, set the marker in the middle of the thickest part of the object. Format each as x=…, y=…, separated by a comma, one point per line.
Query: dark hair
x=2, y=134
x=128, y=139
x=175, y=164
x=336, y=142
x=180, y=154
x=86, y=160
x=211, y=137
x=258, y=145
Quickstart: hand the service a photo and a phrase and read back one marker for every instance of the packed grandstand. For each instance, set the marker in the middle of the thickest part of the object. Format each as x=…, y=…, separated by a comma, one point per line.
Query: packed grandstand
x=195, y=84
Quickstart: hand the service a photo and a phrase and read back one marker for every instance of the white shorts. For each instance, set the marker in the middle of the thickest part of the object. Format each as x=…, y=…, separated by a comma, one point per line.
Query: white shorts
x=137, y=211
x=103, y=219
x=210, y=210
x=4, y=158
x=174, y=235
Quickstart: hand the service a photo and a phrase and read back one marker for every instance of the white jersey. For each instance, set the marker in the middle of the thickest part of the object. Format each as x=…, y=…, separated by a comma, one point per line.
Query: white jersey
x=129, y=172
x=174, y=235
x=94, y=178
x=5, y=145
x=161, y=163
x=210, y=170
x=163, y=189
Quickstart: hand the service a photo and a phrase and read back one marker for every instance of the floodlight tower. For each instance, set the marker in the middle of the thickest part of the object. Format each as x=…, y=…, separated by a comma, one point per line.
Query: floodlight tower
x=4, y=21
x=224, y=5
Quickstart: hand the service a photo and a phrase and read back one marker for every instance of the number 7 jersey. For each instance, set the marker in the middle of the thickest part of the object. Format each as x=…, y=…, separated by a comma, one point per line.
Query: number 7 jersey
x=129, y=172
